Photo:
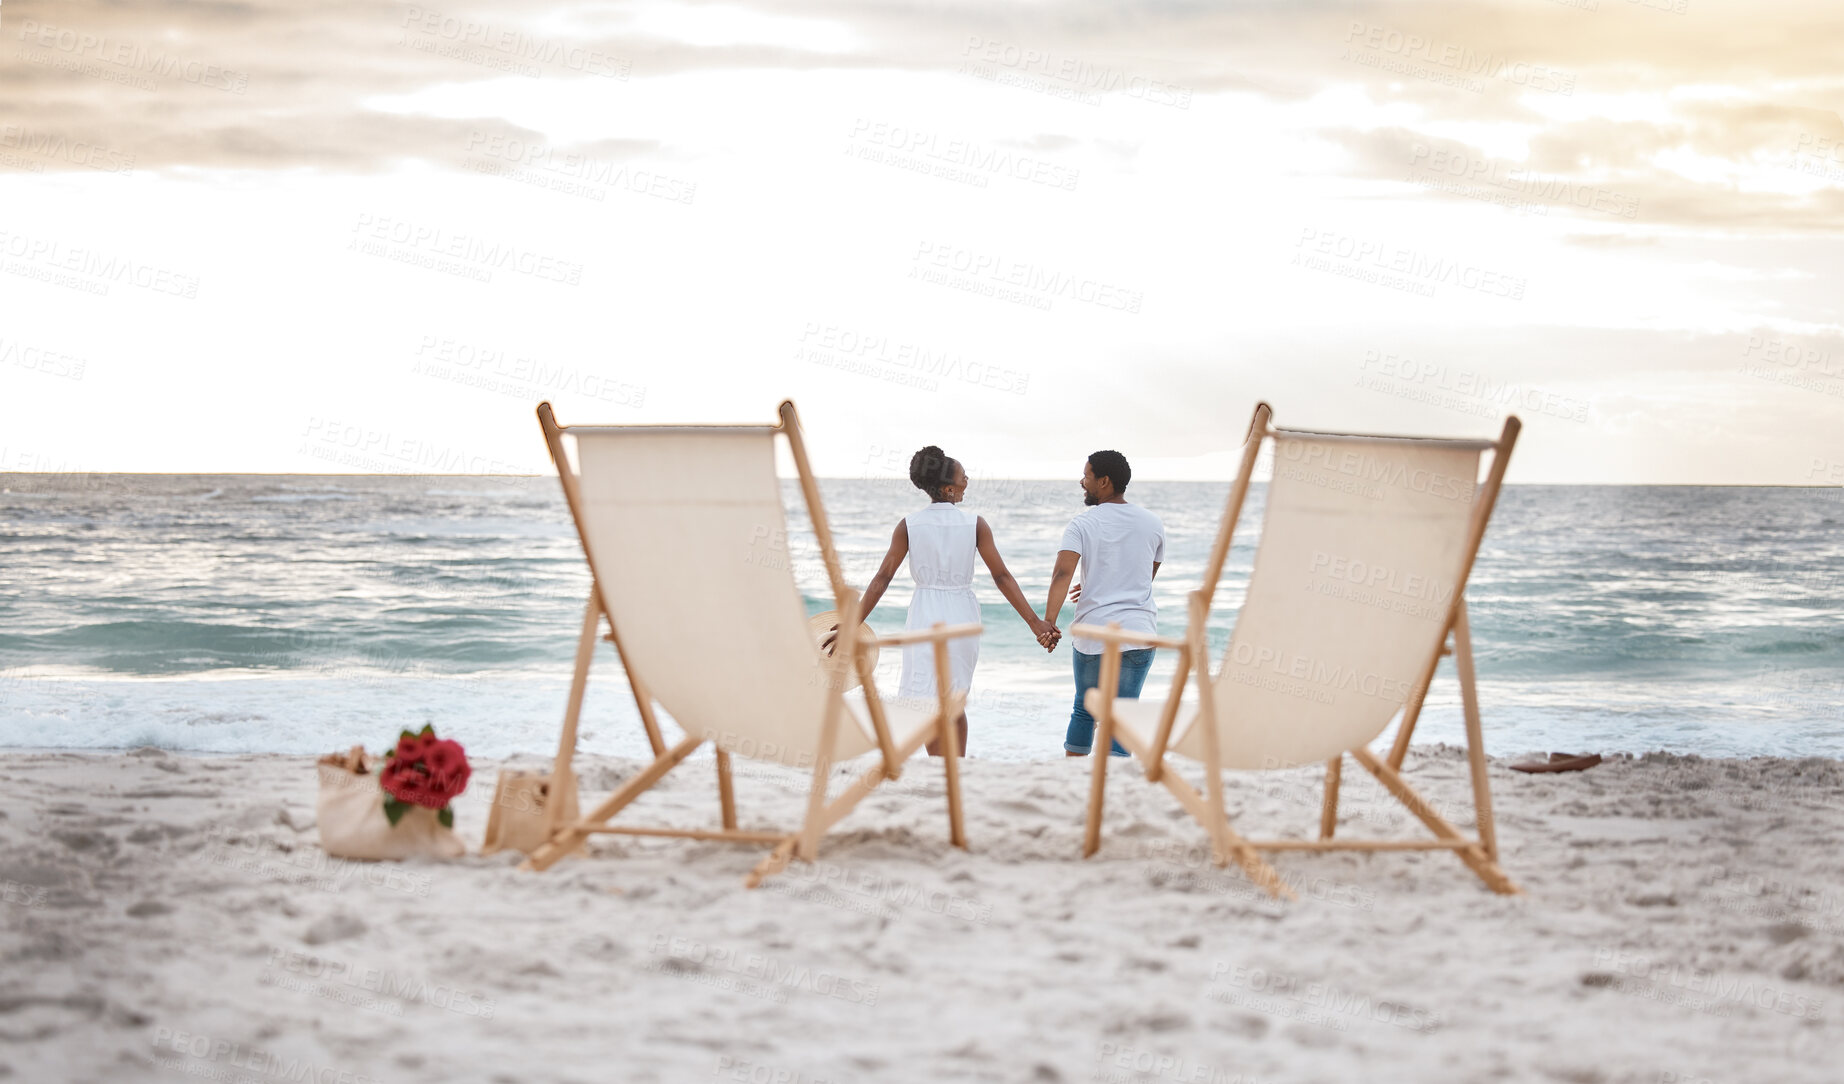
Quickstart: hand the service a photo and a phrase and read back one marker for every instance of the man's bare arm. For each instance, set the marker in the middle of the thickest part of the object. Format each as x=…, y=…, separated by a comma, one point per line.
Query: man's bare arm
x=1059, y=583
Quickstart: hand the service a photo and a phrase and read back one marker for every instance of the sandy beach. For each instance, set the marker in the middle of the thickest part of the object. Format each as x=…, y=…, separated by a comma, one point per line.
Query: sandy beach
x=165, y=916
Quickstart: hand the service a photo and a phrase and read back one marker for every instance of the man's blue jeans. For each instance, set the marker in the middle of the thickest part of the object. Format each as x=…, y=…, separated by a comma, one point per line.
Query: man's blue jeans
x=1133, y=667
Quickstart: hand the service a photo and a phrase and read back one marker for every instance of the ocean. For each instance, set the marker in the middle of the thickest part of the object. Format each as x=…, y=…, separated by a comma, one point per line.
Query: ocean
x=262, y=613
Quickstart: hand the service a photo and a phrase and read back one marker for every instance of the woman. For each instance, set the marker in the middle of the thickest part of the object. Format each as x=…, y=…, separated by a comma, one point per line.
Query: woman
x=940, y=541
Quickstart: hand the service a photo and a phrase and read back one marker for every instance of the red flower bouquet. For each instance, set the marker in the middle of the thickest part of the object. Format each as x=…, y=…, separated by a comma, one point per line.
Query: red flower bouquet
x=423, y=770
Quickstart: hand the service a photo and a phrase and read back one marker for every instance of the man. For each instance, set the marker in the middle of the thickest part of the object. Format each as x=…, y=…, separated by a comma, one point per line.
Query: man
x=1120, y=547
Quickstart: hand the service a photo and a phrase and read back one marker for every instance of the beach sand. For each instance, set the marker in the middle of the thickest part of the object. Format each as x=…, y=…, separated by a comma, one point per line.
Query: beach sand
x=165, y=916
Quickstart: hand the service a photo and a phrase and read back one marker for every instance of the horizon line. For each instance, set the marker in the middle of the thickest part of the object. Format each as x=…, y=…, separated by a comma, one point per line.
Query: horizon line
x=844, y=478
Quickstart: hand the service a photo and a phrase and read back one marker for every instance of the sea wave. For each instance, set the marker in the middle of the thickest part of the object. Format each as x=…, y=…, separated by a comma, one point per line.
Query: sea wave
x=1612, y=593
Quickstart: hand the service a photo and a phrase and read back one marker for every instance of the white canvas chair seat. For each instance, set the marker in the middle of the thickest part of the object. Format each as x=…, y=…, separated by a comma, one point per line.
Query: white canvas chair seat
x=688, y=549
x=1138, y=720
x=1358, y=581
x=905, y=717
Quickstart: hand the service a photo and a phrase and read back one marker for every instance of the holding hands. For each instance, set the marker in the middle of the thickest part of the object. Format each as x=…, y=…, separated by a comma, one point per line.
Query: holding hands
x=1047, y=634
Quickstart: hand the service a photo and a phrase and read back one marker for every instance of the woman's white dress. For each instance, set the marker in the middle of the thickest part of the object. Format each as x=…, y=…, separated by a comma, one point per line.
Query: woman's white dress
x=942, y=544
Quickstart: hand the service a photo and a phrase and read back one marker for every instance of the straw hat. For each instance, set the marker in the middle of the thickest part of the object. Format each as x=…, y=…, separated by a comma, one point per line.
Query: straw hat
x=819, y=626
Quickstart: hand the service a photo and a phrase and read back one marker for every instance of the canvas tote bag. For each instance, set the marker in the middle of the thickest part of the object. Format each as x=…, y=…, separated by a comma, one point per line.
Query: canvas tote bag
x=516, y=820
x=351, y=816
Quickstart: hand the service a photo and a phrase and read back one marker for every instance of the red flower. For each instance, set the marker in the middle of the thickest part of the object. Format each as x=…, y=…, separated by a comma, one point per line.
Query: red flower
x=426, y=771
x=448, y=768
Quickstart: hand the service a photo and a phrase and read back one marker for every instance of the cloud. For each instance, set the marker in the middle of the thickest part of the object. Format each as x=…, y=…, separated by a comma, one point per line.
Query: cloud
x=1608, y=97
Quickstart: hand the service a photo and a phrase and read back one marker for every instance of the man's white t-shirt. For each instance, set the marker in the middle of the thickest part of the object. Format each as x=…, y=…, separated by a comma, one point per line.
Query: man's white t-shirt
x=1118, y=544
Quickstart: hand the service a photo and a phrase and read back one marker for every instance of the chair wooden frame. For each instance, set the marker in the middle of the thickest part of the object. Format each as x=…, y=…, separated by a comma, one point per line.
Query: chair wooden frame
x=821, y=815
x=1480, y=854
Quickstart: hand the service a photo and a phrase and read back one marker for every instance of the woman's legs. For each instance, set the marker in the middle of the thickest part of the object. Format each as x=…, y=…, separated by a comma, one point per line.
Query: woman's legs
x=960, y=724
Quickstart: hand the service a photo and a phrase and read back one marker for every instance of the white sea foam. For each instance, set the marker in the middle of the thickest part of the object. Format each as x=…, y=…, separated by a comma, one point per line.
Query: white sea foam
x=1606, y=618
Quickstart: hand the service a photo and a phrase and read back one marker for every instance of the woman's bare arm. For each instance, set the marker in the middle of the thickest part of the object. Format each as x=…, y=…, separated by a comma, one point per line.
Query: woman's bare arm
x=893, y=560
x=1005, y=581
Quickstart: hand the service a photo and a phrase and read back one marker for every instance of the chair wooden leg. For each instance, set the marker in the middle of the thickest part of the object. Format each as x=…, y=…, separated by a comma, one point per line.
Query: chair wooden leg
x=950, y=770
x=776, y=861
x=1101, y=747
x=568, y=837
x=561, y=772
x=1097, y=789
x=1328, y=816
x=947, y=737
x=1474, y=856
x=831, y=814
x=1227, y=845
x=490, y=843
x=1411, y=711
x=726, y=796
x=1475, y=733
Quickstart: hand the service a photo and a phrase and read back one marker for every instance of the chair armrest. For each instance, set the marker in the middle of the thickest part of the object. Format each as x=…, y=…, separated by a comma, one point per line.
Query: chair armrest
x=918, y=636
x=1109, y=636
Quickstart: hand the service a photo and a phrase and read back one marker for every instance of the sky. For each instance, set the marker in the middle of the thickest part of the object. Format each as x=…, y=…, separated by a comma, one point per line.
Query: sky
x=267, y=236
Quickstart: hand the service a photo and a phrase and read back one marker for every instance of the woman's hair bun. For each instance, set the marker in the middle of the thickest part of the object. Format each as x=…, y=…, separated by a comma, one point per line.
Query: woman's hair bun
x=930, y=469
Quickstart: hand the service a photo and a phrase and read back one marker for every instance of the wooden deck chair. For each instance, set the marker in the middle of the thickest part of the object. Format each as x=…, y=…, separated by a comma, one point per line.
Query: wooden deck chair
x=687, y=547
x=1359, y=580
